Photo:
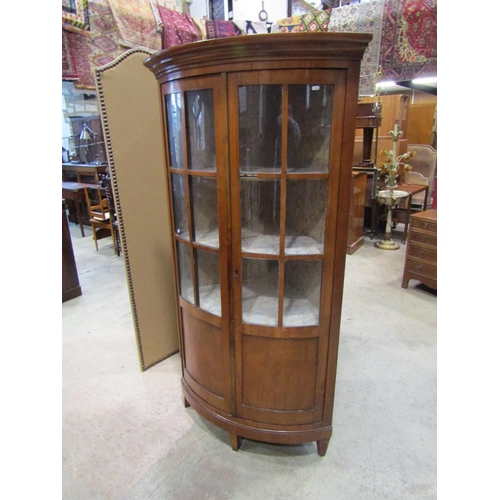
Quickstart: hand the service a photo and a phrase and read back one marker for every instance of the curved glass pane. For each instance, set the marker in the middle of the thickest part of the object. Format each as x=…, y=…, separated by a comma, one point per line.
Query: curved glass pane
x=208, y=274
x=259, y=115
x=174, y=130
x=180, y=206
x=200, y=130
x=302, y=298
x=310, y=109
x=185, y=273
x=204, y=206
x=260, y=291
x=305, y=216
x=260, y=216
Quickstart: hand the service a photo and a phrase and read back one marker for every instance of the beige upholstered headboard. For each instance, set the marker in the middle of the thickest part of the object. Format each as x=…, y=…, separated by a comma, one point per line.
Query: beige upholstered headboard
x=131, y=117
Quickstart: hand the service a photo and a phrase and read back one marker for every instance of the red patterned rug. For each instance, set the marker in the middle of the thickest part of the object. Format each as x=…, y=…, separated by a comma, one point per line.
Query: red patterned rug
x=69, y=71
x=409, y=39
x=178, y=28
x=221, y=29
x=81, y=52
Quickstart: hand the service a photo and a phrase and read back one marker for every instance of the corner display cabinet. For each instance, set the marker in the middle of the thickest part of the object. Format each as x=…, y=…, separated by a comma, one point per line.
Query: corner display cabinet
x=259, y=134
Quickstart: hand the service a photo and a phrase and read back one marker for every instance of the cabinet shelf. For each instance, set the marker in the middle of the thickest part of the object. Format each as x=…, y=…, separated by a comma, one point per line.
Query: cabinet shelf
x=209, y=297
x=208, y=238
x=260, y=306
x=269, y=244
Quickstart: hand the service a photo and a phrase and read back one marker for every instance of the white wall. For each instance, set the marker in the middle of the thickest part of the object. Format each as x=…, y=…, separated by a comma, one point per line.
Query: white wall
x=245, y=10
x=248, y=10
x=198, y=9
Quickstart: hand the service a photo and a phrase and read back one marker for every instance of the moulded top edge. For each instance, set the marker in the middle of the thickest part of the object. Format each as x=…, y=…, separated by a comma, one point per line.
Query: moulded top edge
x=281, y=46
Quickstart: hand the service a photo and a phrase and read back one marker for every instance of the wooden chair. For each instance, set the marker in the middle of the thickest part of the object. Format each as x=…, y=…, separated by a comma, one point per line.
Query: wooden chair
x=100, y=215
x=423, y=172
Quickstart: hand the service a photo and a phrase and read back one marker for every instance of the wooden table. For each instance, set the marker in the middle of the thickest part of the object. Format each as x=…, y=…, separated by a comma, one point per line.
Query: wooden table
x=80, y=172
x=75, y=191
x=402, y=214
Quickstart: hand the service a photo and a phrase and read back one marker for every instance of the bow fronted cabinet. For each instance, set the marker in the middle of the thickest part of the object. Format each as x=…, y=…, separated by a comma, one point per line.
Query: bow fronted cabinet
x=259, y=137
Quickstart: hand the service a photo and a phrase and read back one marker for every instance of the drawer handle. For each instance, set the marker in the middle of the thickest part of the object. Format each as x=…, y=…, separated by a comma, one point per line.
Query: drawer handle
x=424, y=239
x=419, y=268
x=421, y=253
x=426, y=225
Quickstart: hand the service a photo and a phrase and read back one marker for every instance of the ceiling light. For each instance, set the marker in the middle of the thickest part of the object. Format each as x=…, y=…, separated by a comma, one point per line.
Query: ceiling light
x=423, y=81
x=386, y=84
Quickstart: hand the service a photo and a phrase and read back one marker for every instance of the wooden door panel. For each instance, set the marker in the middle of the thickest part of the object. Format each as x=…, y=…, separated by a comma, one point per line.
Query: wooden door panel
x=281, y=370
x=279, y=374
x=206, y=360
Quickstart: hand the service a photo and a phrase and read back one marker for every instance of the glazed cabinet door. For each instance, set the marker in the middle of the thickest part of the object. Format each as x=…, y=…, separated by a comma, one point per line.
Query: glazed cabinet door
x=197, y=170
x=285, y=144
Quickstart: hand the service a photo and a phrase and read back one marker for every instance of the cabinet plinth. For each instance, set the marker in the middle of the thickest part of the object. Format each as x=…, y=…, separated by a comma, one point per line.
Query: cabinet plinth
x=259, y=135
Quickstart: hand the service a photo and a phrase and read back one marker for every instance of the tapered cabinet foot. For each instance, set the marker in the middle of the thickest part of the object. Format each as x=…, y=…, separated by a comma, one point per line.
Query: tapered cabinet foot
x=235, y=441
x=186, y=403
x=322, y=446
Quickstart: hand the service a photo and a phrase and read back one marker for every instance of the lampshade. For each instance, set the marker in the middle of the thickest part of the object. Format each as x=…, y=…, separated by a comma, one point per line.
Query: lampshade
x=87, y=133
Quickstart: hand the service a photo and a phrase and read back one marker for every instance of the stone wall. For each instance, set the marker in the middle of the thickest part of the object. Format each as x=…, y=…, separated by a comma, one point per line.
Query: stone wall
x=79, y=102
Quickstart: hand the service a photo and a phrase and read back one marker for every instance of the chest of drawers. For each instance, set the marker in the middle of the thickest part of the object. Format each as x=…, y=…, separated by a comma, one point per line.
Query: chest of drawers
x=421, y=250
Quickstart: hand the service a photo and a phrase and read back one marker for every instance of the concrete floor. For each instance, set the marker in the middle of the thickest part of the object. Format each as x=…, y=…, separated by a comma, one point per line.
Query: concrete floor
x=127, y=435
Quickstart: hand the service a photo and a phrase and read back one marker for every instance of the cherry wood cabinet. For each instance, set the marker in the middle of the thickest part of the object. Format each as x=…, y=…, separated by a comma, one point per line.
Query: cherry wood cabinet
x=259, y=135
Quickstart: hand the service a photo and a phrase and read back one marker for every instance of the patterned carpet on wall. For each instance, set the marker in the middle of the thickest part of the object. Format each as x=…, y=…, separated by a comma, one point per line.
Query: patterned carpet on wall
x=136, y=24
x=288, y=25
x=81, y=53
x=103, y=44
x=98, y=48
x=362, y=18
x=69, y=71
x=409, y=39
x=221, y=29
x=178, y=28
x=75, y=16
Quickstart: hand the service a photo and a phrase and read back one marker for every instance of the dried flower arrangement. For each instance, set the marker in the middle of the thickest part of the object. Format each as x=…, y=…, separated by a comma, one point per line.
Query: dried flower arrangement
x=393, y=166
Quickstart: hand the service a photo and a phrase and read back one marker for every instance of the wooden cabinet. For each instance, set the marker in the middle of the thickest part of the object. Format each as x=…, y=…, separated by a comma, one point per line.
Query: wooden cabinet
x=70, y=282
x=394, y=109
x=259, y=139
x=421, y=251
